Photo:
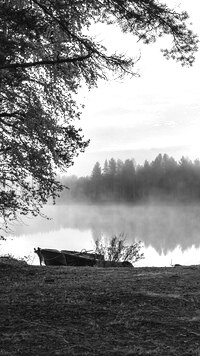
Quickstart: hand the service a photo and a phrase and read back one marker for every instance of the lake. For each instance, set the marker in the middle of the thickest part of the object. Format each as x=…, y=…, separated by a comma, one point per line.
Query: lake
x=170, y=233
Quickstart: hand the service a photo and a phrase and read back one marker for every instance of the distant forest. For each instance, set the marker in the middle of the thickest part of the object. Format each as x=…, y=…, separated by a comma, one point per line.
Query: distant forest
x=127, y=182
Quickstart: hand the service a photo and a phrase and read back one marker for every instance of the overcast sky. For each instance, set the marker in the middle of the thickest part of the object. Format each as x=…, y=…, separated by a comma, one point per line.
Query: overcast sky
x=159, y=112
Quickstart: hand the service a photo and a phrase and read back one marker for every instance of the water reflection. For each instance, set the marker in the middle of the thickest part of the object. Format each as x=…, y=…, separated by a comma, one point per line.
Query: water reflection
x=168, y=232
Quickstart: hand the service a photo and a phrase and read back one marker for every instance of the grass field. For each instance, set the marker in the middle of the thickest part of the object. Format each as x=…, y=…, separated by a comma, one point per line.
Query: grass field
x=96, y=311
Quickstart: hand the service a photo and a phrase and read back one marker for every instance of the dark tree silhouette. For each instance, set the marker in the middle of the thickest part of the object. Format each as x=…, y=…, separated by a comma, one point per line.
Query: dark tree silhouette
x=95, y=182
x=162, y=179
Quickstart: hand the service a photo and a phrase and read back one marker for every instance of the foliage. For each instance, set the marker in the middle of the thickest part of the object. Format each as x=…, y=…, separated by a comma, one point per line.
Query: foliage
x=117, y=251
x=45, y=55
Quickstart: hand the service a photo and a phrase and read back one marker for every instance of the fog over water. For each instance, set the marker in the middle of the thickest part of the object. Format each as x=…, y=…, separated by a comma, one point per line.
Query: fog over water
x=168, y=232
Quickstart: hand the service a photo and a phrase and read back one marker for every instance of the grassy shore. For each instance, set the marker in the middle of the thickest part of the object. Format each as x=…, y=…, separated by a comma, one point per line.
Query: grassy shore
x=96, y=311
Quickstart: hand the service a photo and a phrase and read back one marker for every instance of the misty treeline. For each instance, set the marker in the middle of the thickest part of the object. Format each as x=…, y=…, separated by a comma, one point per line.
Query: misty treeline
x=127, y=182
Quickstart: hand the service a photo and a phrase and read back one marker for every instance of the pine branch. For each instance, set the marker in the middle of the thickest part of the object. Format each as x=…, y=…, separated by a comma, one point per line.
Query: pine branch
x=46, y=62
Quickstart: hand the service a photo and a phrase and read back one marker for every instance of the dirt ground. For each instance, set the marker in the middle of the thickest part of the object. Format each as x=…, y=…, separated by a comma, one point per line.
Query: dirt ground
x=98, y=311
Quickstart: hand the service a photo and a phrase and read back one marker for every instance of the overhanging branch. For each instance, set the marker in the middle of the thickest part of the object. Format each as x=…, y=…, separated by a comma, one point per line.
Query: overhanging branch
x=46, y=62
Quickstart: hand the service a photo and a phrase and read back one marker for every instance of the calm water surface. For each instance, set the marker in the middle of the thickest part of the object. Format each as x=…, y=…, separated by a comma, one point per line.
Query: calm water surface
x=169, y=233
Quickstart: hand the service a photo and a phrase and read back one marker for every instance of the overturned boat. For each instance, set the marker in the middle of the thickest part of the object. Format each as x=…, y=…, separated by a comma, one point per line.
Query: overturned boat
x=52, y=257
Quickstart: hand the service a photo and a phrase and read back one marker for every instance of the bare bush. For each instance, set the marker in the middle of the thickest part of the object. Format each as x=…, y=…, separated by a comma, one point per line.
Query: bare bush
x=116, y=249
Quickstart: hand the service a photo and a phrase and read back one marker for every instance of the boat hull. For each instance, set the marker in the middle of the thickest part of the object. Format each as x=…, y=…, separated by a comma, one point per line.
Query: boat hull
x=77, y=259
x=53, y=257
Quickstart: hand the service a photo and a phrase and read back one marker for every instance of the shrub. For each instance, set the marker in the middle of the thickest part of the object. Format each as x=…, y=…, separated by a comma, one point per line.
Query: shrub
x=11, y=260
x=116, y=249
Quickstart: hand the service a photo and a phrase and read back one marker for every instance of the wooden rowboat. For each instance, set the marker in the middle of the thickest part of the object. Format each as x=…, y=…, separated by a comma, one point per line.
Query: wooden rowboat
x=53, y=257
x=74, y=258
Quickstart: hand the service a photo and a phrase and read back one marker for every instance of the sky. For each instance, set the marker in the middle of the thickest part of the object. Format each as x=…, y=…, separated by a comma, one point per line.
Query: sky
x=140, y=117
